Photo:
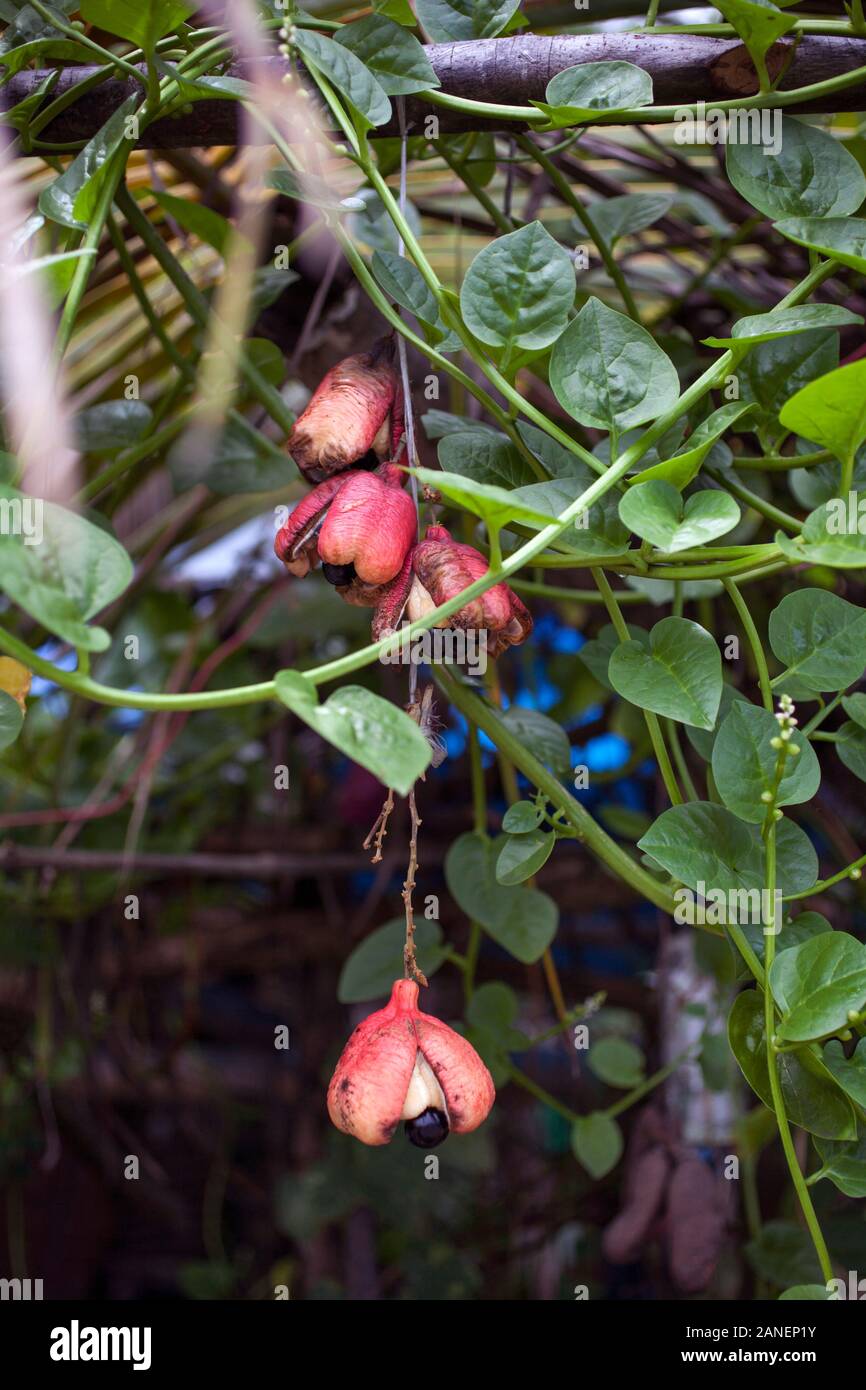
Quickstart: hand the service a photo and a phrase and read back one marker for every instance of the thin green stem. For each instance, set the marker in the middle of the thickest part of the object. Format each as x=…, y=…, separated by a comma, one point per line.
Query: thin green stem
x=567, y=193
x=797, y=1178
x=652, y=723
x=753, y=639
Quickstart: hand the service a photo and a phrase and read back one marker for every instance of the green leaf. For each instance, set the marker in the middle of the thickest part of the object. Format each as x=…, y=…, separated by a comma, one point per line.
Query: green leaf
x=369, y=730
x=656, y=511
x=608, y=372
x=306, y=188
x=580, y=93
x=68, y=576
x=843, y=238
x=209, y=226
x=241, y=462
x=684, y=465
x=141, y=22
x=72, y=197
x=773, y=370
x=744, y=764
x=348, y=74
x=704, y=844
x=494, y=505
x=377, y=961
x=371, y=223
x=831, y=535
x=490, y=1014
x=680, y=676
x=850, y=1072
x=702, y=740
x=485, y=457
x=111, y=425
x=812, y=1099
x=523, y=855
x=831, y=410
x=403, y=282
x=819, y=482
x=759, y=24
x=395, y=58
x=398, y=10
x=450, y=21
x=817, y=983
x=522, y=920
x=632, y=212
x=596, y=1142
x=544, y=738
x=781, y=323
x=851, y=748
x=596, y=653
x=845, y=1164
x=813, y=175
x=522, y=817
x=617, y=1062
x=855, y=707
x=820, y=638
x=13, y=59
x=11, y=719
x=783, y=1254
x=518, y=291
x=799, y=929
x=596, y=531
x=806, y=1293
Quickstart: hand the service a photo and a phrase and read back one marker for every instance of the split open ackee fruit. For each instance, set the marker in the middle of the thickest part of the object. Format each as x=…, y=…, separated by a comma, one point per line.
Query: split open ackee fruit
x=402, y=1064
x=359, y=526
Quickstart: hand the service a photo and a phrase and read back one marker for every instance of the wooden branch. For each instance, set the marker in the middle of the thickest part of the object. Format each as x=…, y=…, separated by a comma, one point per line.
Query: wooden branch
x=14, y=856
x=684, y=68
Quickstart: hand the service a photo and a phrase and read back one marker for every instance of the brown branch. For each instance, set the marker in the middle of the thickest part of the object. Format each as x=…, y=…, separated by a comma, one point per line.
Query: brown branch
x=684, y=67
x=14, y=856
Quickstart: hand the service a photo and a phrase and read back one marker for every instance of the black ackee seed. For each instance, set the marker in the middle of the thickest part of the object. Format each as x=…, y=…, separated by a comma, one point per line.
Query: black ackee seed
x=428, y=1129
x=339, y=574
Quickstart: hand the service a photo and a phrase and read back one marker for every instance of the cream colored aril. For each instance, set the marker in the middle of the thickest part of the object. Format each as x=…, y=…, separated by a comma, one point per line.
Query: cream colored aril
x=424, y=1091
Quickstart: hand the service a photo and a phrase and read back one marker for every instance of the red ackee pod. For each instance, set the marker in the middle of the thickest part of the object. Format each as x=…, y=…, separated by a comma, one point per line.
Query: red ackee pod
x=356, y=408
x=357, y=524
x=401, y=1064
x=436, y=570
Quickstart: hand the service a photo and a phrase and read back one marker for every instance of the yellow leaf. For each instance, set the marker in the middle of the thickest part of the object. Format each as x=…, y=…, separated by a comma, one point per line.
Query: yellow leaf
x=15, y=680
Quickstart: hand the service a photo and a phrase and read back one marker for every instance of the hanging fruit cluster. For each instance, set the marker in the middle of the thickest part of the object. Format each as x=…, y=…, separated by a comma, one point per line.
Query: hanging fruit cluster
x=360, y=525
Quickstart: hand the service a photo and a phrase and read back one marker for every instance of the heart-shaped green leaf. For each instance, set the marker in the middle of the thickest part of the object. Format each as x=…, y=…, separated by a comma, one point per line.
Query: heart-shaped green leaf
x=596, y=1142
x=608, y=372
x=707, y=847
x=522, y=920
x=818, y=983
x=578, y=94
x=744, y=764
x=376, y=962
x=60, y=568
x=680, y=676
x=656, y=511
x=811, y=175
x=518, y=291
x=820, y=638
x=812, y=1099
